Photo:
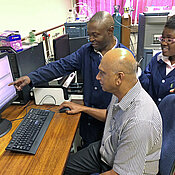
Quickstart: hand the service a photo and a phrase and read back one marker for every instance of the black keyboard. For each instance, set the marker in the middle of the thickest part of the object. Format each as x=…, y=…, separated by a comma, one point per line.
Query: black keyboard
x=30, y=132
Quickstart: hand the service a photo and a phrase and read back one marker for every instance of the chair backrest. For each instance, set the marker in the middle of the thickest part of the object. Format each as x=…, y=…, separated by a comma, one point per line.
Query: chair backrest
x=167, y=110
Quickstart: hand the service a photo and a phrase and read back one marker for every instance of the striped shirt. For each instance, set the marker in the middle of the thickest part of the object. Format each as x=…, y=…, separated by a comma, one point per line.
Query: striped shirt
x=132, y=137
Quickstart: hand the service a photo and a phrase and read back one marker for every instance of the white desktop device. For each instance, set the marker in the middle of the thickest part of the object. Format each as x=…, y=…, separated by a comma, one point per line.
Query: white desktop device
x=52, y=95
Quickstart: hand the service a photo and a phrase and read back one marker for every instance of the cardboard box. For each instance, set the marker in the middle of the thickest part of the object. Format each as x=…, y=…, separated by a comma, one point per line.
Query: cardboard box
x=10, y=38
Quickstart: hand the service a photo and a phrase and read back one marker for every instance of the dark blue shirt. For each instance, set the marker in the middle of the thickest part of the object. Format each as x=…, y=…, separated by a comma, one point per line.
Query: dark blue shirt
x=155, y=81
x=86, y=60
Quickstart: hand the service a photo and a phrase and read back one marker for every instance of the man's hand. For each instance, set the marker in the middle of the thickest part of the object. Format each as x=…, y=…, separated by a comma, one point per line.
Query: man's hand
x=99, y=114
x=21, y=82
x=75, y=108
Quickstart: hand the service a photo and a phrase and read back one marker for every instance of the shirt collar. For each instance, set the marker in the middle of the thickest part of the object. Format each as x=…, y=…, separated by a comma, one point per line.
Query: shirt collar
x=165, y=59
x=161, y=57
x=129, y=97
x=116, y=43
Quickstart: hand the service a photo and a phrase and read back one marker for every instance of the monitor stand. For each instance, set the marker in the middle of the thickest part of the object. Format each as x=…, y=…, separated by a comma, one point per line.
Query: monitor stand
x=5, y=126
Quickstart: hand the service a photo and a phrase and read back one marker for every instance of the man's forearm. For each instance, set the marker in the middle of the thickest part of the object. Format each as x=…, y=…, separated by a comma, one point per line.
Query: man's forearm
x=99, y=114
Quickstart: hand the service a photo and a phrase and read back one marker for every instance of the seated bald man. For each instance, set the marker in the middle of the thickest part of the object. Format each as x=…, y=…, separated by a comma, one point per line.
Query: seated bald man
x=132, y=137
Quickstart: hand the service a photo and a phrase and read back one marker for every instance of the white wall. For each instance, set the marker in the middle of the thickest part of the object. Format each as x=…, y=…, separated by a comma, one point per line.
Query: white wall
x=27, y=15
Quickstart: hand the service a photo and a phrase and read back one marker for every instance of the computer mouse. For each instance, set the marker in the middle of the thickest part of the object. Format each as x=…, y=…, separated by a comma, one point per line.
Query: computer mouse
x=64, y=109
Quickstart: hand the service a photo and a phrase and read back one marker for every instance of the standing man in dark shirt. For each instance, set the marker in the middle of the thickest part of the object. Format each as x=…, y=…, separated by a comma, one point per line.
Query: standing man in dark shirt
x=87, y=59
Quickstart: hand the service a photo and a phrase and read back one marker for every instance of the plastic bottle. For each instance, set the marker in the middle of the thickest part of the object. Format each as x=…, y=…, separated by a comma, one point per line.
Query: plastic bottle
x=71, y=17
x=32, y=37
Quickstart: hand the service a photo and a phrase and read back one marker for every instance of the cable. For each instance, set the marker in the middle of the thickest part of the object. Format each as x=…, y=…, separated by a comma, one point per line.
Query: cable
x=47, y=96
x=57, y=111
x=25, y=114
x=17, y=119
x=132, y=46
x=122, y=24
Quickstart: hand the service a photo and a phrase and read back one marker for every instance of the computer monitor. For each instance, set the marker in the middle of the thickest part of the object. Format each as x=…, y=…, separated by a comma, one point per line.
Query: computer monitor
x=76, y=42
x=25, y=62
x=7, y=93
x=61, y=46
x=30, y=59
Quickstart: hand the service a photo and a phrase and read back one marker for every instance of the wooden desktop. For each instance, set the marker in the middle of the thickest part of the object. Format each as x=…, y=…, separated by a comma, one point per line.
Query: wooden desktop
x=51, y=156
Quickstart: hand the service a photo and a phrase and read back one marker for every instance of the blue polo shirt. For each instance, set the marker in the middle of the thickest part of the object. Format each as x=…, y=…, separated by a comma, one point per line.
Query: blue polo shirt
x=87, y=61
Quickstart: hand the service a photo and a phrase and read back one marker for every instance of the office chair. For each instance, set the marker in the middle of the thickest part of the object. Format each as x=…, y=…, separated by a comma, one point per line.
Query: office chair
x=167, y=158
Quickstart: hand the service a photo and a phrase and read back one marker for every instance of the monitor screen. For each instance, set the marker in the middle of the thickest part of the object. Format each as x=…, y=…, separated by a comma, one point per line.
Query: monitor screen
x=77, y=42
x=7, y=93
x=30, y=59
x=61, y=46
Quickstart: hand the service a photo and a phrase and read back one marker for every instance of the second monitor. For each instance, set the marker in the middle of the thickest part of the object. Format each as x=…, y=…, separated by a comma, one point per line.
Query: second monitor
x=25, y=62
x=76, y=42
x=61, y=46
x=64, y=46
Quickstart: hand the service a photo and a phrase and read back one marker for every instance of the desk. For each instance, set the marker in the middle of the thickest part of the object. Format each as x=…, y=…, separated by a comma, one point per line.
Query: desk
x=53, y=151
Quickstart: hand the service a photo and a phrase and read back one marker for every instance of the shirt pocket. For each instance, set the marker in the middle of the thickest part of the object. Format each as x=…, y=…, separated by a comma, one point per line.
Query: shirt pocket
x=114, y=137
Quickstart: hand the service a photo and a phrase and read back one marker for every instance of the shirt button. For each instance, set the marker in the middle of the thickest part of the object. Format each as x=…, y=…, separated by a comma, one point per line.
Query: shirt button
x=89, y=124
x=95, y=88
x=159, y=99
x=163, y=81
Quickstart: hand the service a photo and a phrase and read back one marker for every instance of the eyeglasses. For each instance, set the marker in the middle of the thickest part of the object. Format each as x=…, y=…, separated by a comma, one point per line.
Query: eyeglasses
x=167, y=40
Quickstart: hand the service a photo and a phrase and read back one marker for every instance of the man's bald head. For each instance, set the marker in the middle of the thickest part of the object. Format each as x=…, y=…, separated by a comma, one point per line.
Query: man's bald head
x=102, y=18
x=120, y=60
x=117, y=72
